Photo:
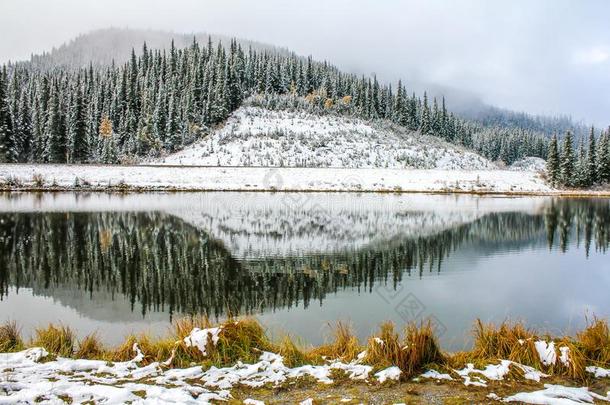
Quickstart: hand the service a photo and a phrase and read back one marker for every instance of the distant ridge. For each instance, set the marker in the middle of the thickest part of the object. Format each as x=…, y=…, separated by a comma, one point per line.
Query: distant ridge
x=104, y=46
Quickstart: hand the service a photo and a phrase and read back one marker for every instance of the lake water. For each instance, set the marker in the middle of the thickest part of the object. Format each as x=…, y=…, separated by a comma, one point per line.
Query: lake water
x=119, y=264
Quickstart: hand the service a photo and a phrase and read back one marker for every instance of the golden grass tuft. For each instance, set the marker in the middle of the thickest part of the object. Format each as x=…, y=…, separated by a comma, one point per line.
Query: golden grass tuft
x=241, y=340
x=57, y=340
x=90, y=347
x=182, y=327
x=594, y=341
x=420, y=348
x=412, y=353
x=344, y=346
x=293, y=355
x=10, y=338
x=385, y=349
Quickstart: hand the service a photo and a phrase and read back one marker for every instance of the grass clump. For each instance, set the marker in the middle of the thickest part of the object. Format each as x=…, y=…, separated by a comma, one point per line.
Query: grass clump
x=344, y=346
x=411, y=353
x=293, y=355
x=594, y=342
x=90, y=347
x=58, y=340
x=10, y=338
x=241, y=340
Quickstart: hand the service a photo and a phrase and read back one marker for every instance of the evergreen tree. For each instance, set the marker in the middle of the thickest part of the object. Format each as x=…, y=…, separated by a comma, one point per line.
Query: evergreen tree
x=8, y=151
x=552, y=162
x=55, y=135
x=592, y=159
x=77, y=128
x=603, y=158
x=567, y=165
x=424, y=127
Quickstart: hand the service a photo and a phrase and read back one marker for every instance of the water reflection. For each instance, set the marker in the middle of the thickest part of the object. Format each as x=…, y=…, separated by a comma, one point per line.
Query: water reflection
x=239, y=254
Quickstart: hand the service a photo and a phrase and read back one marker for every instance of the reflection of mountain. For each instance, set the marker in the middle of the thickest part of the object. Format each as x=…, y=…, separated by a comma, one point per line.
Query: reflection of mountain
x=255, y=256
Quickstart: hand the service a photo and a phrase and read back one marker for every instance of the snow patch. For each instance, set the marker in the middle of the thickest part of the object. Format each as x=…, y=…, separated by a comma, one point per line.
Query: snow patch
x=390, y=373
x=435, y=375
x=546, y=352
x=199, y=338
x=598, y=372
x=558, y=394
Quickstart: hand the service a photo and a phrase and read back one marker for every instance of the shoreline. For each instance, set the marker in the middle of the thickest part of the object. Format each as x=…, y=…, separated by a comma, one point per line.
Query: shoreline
x=236, y=360
x=147, y=178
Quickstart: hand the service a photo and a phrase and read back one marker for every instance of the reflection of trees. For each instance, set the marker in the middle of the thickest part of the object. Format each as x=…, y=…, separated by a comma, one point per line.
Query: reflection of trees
x=161, y=263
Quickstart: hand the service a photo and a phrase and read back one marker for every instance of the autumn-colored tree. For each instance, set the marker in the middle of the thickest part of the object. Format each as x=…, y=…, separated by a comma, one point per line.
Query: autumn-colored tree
x=106, y=127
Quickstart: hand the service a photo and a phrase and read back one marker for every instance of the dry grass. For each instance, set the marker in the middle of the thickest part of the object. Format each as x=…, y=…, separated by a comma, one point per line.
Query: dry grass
x=90, y=348
x=344, y=345
x=413, y=351
x=57, y=340
x=594, y=342
x=293, y=355
x=10, y=339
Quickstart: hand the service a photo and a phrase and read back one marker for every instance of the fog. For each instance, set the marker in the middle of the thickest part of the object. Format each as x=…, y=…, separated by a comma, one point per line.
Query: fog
x=547, y=56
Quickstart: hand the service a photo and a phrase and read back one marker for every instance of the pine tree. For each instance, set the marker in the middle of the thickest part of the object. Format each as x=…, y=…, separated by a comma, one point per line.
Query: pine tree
x=424, y=127
x=57, y=147
x=552, y=162
x=603, y=158
x=7, y=136
x=77, y=128
x=581, y=178
x=567, y=166
x=592, y=159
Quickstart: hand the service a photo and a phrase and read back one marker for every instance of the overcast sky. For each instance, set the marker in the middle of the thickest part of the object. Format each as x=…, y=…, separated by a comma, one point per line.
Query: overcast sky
x=539, y=56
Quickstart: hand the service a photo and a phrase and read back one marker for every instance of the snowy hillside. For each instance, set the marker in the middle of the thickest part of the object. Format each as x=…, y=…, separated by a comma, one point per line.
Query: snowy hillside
x=254, y=136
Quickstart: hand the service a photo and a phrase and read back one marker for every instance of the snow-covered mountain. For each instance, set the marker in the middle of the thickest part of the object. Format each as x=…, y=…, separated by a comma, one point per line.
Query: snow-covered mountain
x=254, y=136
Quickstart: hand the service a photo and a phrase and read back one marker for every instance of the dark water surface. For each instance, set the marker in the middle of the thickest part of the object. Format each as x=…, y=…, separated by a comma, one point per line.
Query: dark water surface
x=118, y=264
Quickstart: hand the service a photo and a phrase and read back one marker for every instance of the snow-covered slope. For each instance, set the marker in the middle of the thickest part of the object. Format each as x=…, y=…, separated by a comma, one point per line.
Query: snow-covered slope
x=254, y=136
x=531, y=164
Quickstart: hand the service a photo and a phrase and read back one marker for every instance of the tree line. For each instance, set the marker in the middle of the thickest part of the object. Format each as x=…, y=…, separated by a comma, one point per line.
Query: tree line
x=584, y=167
x=159, y=101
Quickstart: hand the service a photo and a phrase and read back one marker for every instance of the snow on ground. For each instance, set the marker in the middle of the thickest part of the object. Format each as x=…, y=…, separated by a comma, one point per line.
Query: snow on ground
x=558, y=394
x=32, y=377
x=15, y=176
x=529, y=164
x=253, y=136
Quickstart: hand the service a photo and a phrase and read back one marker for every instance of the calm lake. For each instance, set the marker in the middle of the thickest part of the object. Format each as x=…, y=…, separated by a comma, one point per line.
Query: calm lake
x=118, y=264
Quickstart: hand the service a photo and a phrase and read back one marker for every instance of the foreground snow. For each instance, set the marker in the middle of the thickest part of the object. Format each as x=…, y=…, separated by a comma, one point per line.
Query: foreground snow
x=27, y=377
x=28, y=176
x=254, y=136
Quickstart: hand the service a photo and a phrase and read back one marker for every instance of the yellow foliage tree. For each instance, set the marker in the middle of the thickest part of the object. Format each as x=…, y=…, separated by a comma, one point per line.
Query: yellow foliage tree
x=328, y=104
x=106, y=127
x=346, y=100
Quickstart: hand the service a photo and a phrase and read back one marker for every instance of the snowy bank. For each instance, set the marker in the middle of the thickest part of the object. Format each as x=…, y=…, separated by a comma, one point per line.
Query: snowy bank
x=254, y=136
x=99, y=177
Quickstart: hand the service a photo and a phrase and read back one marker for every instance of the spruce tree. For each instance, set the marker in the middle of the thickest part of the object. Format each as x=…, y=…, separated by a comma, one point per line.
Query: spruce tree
x=567, y=165
x=424, y=127
x=56, y=151
x=552, y=162
x=592, y=159
x=603, y=158
x=7, y=136
x=77, y=128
